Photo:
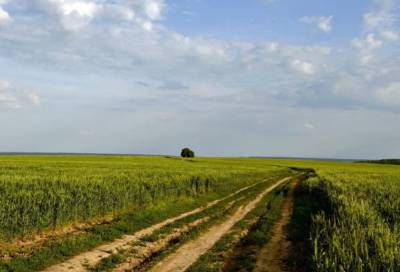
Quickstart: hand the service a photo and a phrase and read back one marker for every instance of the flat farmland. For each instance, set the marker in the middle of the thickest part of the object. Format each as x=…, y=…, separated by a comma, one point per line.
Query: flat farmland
x=50, y=204
x=138, y=213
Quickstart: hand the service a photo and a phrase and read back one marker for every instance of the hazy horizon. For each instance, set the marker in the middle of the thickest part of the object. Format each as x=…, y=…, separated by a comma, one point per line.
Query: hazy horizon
x=316, y=79
x=177, y=155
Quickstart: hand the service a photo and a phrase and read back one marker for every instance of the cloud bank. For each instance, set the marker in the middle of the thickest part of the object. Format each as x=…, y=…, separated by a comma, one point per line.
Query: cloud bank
x=120, y=58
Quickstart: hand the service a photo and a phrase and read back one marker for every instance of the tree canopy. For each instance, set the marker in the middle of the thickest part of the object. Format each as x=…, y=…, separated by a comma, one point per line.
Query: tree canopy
x=187, y=153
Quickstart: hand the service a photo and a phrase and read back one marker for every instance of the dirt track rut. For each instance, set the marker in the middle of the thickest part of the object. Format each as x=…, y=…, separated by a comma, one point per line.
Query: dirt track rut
x=80, y=262
x=187, y=254
x=273, y=256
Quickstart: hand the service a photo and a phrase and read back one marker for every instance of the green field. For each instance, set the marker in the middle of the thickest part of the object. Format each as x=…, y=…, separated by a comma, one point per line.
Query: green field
x=354, y=208
x=357, y=226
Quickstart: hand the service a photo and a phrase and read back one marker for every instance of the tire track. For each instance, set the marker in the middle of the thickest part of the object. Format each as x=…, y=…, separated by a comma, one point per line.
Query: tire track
x=188, y=254
x=274, y=255
x=79, y=263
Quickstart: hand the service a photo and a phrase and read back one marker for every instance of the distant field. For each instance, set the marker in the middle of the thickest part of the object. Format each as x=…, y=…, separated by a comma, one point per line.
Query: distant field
x=351, y=211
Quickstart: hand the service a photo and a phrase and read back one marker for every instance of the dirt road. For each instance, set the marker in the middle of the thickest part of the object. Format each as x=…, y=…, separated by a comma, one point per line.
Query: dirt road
x=80, y=262
x=273, y=256
x=188, y=253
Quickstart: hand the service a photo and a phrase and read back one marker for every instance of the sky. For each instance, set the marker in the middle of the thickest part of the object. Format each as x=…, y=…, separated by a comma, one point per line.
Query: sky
x=311, y=78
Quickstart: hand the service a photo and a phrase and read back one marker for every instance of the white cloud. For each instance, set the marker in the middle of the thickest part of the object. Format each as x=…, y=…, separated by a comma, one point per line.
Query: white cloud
x=366, y=47
x=319, y=50
x=75, y=15
x=7, y=98
x=126, y=69
x=308, y=125
x=390, y=94
x=153, y=9
x=145, y=24
x=303, y=67
x=83, y=9
x=11, y=97
x=117, y=12
x=385, y=4
x=390, y=35
x=4, y=16
x=273, y=46
x=122, y=44
x=324, y=23
x=382, y=20
x=374, y=20
x=365, y=59
x=34, y=98
x=369, y=43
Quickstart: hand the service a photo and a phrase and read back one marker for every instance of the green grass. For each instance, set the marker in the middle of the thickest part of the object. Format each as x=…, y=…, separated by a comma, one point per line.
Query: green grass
x=41, y=193
x=357, y=227
x=192, y=183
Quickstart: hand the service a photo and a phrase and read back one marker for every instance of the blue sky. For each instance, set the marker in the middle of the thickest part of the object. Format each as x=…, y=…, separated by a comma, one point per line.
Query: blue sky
x=227, y=78
x=260, y=20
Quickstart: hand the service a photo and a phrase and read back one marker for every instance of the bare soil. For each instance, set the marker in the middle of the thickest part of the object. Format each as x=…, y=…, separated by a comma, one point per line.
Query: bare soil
x=145, y=252
x=275, y=254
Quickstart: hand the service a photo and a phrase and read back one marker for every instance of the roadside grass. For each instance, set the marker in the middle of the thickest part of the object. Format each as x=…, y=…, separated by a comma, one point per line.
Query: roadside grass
x=357, y=226
x=56, y=251
x=216, y=214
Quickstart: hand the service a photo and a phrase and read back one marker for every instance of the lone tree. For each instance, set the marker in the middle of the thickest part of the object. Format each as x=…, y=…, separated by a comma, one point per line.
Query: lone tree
x=187, y=153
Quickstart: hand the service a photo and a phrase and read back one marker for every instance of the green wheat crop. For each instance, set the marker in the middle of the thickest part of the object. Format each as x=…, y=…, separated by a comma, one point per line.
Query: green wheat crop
x=40, y=193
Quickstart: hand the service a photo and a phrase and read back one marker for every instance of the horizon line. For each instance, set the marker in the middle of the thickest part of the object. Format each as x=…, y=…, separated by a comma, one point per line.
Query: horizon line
x=169, y=155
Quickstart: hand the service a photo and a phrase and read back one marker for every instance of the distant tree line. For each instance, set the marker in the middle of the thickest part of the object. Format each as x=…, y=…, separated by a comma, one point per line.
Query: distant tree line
x=384, y=161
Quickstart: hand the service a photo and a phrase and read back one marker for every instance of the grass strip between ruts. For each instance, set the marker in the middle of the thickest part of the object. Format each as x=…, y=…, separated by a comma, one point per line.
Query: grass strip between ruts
x=216, y=213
